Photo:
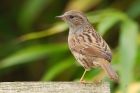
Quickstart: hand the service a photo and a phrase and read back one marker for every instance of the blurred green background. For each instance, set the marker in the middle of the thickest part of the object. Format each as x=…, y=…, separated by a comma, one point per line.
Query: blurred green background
x=33, y=43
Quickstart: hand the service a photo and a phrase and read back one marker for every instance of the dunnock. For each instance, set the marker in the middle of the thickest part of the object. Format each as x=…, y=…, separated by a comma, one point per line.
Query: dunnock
x=87, y=46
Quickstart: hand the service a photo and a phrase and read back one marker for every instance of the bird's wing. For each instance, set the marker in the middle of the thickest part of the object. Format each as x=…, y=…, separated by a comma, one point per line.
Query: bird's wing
x=92, y=45
x=97, y=52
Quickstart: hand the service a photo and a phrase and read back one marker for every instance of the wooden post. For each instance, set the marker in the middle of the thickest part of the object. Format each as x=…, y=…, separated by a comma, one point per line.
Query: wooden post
x=53, y=87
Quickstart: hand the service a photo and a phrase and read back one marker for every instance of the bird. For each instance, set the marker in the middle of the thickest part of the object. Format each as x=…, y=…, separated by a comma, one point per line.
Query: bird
x=87, y=45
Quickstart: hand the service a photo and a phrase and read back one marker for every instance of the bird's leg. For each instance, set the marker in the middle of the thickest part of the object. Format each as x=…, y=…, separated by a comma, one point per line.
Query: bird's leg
x=81, y=80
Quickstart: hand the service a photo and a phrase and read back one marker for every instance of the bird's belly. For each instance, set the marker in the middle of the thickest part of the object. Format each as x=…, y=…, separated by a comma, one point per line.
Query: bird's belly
x=86, y=62
x=82, y=58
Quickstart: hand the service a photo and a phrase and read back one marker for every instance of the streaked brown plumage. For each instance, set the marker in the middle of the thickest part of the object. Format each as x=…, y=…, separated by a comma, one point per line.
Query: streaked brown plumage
x=87, y=46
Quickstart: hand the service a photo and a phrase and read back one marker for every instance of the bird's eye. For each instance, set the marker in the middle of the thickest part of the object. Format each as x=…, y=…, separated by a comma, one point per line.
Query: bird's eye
x=71, y=16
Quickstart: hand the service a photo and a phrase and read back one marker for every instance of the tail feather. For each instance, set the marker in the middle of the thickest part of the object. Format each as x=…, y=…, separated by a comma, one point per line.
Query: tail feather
x=109, y=70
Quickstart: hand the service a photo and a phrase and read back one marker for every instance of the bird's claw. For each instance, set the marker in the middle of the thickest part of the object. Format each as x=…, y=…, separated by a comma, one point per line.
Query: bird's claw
x=83, y=81
x=97, y=81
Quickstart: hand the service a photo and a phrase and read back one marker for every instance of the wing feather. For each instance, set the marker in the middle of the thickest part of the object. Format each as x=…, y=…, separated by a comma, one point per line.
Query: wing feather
x=97, y=48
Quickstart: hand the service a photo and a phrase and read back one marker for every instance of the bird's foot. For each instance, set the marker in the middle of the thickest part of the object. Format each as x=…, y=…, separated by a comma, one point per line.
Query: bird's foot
x=97, y=81
x=83, y=81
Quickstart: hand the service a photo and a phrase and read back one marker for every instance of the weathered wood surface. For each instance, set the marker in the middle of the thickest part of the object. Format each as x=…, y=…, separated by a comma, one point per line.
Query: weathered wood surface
x=53, y=87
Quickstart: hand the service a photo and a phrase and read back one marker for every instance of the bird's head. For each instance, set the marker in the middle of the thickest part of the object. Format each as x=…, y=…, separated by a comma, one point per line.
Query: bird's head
x=74, y=18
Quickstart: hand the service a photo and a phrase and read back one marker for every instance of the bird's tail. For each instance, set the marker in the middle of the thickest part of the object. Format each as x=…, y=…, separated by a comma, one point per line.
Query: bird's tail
x=109, y=70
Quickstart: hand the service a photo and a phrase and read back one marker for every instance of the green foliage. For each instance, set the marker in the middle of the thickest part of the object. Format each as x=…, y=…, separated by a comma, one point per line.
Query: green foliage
x=57, y=28
x=128, y=51
x=134, y=9
x=44, y=40
x=57, y=69
x=30, y=10
x=32, y=53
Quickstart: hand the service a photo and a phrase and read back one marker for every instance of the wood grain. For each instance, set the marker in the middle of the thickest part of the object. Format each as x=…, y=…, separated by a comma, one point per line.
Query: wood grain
x=53, y=87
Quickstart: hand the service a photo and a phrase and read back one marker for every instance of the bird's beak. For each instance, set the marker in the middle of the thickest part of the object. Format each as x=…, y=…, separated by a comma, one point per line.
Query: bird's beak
x=61, y=17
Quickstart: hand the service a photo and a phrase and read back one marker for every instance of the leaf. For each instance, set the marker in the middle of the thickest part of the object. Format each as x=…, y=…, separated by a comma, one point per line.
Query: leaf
x=94, y=18
x=32, y=53
x=57, y=28
x=57, y=69
x=82, y=6
x=106, y=23
x=134, y=9
x=128, y=51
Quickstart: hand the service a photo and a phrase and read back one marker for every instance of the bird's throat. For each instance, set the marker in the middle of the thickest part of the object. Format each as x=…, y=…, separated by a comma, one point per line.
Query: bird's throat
x=75, y=30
